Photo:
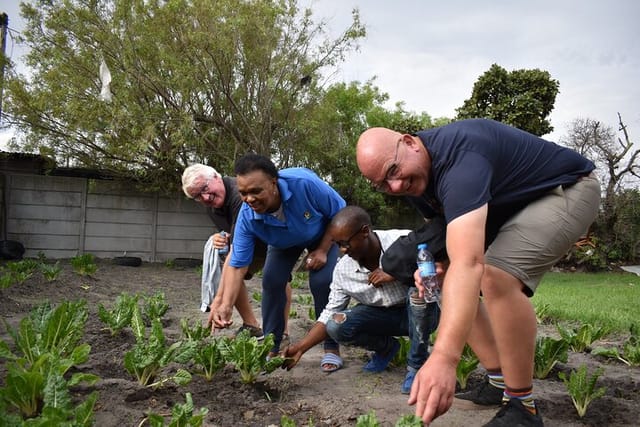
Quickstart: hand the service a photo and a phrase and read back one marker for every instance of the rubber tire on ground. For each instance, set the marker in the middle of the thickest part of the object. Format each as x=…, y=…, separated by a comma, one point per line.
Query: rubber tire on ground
x=129, y=261
x=187, y=262
x=11, y=249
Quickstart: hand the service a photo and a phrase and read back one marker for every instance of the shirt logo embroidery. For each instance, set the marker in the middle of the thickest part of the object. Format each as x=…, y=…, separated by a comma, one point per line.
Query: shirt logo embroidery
x=307, y=215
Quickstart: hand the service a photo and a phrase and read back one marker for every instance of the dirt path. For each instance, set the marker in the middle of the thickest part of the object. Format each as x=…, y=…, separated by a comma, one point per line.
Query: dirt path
x=304, y=394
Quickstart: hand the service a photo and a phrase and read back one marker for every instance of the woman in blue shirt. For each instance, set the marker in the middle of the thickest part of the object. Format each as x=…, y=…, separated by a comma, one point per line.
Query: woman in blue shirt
x=289, y=210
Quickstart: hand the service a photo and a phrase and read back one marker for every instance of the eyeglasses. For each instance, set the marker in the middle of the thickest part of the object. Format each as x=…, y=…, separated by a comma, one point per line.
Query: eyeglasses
x=393, y=173
x=203, y=190
x=347, y=243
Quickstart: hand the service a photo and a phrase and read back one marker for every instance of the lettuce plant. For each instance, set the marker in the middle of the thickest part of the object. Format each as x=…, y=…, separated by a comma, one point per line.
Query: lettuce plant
x=582, y=388
x=249, y=356
x=208, y=358
x=50, y=271
x=467, y=364
x=151, y=353
x=197, y=332
x=548, y=353
x=155, y=306
x=84, y=265
x=182, y=415
x=579, y=339
x=119, y=317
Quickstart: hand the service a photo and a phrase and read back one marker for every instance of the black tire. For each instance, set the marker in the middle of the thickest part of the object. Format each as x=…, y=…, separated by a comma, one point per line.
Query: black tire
x=129, y=261
x=187, y=262
x=11, y=249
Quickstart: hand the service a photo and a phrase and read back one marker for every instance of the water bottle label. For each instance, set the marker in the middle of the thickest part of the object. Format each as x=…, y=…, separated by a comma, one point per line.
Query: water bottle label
x=427, y=269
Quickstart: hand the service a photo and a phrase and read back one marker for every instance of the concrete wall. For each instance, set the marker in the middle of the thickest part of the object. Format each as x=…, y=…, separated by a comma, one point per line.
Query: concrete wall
x=66, y=216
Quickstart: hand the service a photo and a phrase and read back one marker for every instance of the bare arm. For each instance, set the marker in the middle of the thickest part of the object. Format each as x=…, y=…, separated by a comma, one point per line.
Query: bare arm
x=433, y=389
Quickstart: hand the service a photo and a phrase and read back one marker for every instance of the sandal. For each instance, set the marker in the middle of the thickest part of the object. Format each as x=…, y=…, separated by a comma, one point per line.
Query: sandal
x=333, y=360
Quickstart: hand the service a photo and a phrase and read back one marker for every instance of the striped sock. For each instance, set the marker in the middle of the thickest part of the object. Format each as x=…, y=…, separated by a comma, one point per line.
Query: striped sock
x=525, y=395
x=496, y=379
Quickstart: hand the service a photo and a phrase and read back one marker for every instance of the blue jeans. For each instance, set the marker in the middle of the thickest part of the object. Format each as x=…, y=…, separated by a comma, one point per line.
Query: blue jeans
x=374, y=327
x=275, y=275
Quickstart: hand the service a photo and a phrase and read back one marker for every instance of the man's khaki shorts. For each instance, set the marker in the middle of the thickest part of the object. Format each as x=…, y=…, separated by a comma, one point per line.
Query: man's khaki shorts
x=537, y=237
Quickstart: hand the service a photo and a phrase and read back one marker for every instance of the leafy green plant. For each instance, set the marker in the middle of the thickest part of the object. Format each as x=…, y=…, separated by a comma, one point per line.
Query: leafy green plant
x=257, y=296
x=580, y=339
x=155, y=306
x=304, y=299
x=582, y=388
x=197, y=332
x=409, y=421
x=293, y=314
x=400, y=359
x=150, y=353
x=630, y=354
x=548, y=352
x=84, y=265
x=311, y=312
x=181, y=377
x=208, y=358
x=50, y=271
x=118, y=317
x=6, y=280
x=299, y=279
x=542, y=313
x=249, y=356
x=367, y=420
x=57, y=330
x=467, y=364
x=182, y=415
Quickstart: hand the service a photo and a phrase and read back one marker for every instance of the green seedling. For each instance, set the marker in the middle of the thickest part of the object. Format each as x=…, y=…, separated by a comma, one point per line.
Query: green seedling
x=582, y=388
x=197, y=332
x=467, y=364
x=548, y=353
x=249, y=356
x=580, y=339
x=50, y=271
x=119, y=317
x=84, y=265
x=155, y=306
x=182, y=415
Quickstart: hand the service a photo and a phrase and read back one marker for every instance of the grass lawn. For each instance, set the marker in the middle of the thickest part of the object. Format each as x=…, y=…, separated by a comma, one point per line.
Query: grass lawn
x=607, y=299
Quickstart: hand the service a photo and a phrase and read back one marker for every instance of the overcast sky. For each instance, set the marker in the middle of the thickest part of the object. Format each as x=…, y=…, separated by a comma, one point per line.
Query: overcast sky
x=429, y=54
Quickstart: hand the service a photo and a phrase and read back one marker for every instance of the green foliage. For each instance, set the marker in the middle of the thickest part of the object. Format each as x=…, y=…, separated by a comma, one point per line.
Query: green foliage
x=197, y=332
x=17, y=272
x=182, y=415
x=47, y=347
x=119, y=317
x=580, y=339
x=286, y=421
x=208, y=357
x=542, y=313
x=520, y=98
x=50, y=330
x=630, y=353
x=548, y=353
x=50, y=271
x=400, y=359
x=409, y=421
x=242, y=78
x=311, y=312
x=154, y=306
x=150, y=353
x=249, y=356
x=304, y=299
x=257, y=296
x=293, y=314
x=84, y=265
x=467, y=364
x=367, y=420
x=582, y=388
x=299, y=279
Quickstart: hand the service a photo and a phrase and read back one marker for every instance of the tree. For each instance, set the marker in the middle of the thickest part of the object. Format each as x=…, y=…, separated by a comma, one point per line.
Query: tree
x=192, y=80
x=616, y=161
x=520, y=98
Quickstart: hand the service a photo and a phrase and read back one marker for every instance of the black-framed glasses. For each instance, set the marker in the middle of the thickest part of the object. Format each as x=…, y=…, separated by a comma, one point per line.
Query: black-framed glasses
x=347, y=243
x=392, y=174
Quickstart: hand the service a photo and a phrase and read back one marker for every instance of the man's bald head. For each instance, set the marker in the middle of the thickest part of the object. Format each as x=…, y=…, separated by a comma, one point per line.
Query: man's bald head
x=375, y=147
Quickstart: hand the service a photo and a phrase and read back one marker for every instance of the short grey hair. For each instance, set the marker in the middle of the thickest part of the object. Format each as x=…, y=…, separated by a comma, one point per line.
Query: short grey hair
x=196, y=172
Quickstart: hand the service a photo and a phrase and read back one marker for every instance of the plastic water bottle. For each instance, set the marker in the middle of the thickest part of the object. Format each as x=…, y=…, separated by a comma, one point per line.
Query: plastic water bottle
x=427, y=267
x=225, y=250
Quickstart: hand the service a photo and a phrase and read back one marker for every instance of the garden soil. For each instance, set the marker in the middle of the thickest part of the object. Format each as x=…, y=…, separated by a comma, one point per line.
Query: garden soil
x=304, y=394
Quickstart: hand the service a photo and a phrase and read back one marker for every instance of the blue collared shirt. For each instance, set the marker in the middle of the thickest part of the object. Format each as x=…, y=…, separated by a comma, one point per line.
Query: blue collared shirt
x=308, y=205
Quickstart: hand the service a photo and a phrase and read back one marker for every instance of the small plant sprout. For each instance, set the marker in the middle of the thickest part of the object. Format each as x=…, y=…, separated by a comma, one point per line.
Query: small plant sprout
x=257, y=296
x=548, y=353
x=580, y=339
x=367, y=420
x=304, y=299
x=249, y=356
x=182, y=415
x=630, y=354
x=582, y=388
x=468, y=363
x=197, y=332
x=84, y=265
x=400, y=359
x=119, y=317
x=50, y=271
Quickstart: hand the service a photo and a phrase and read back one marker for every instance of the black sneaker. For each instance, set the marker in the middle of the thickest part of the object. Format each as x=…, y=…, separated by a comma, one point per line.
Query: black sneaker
x=514, y=414
x=253, y=331
x=484, y=396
